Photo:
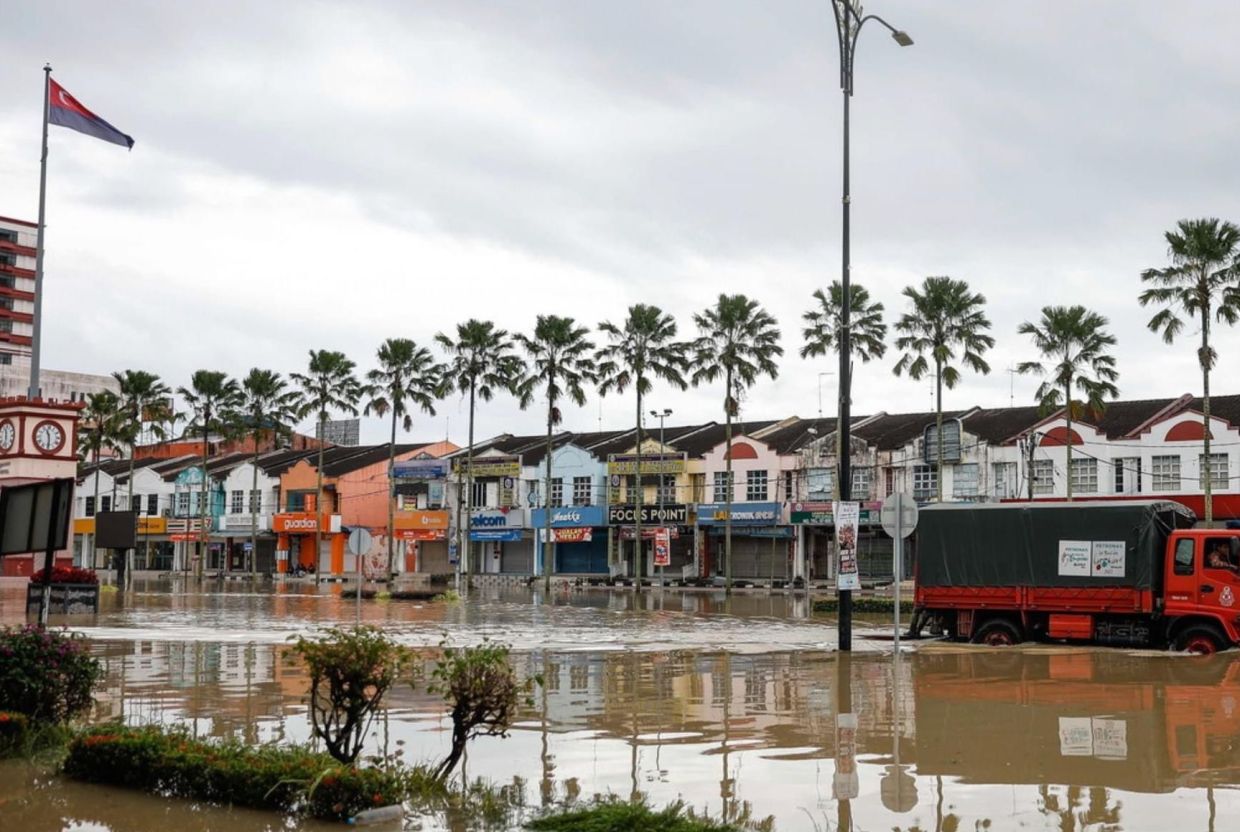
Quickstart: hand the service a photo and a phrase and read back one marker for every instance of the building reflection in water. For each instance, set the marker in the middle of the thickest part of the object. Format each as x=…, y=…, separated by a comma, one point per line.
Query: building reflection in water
x=1077, y=728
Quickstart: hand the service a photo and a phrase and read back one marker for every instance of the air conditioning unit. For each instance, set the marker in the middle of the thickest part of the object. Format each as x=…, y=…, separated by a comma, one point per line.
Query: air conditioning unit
x=165, y=513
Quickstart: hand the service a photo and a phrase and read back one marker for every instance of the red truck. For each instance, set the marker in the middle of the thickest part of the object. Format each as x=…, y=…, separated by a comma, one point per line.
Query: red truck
x=1126, y=573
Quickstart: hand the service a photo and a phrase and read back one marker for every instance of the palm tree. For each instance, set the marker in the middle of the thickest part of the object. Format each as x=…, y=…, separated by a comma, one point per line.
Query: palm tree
x=1074, y=341
x=642, y=349
x=144, y=398
x=561, y=356
x=104, y=430
x=212, y=397
x=483, y=360
x=822, y=333
x=1201, y=281
x=739, y=341
x=267, y=407
x=328, y=384
x=407, y=376
x=946, y=317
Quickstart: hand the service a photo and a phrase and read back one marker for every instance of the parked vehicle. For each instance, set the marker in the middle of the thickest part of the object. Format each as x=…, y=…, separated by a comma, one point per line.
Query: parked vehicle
x=1130, y=573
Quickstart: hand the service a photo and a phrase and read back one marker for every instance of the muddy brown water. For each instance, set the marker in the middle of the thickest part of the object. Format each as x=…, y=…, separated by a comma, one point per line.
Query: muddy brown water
x=728, y=704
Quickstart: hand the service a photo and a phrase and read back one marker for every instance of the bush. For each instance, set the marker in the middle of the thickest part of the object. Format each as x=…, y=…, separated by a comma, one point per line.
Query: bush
x=618, y=816
x=14, y=729
x=46, y=675
x=171, y=763
x=481, y=688
x=67, y=575
x=350, y=671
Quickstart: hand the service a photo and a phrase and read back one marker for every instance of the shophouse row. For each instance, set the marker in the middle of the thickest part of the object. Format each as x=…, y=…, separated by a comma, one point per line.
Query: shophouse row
x=781, y=492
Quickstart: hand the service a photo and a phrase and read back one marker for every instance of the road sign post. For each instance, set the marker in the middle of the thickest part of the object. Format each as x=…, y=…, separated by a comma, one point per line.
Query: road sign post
x=359, y=545
x=899, y=518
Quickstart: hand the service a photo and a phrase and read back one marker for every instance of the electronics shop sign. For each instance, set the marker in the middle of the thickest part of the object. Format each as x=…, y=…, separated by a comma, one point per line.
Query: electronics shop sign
x=673, y=514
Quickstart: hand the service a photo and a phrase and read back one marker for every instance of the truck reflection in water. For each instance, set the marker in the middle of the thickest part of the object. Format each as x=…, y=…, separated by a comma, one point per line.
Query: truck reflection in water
x=1098, y=718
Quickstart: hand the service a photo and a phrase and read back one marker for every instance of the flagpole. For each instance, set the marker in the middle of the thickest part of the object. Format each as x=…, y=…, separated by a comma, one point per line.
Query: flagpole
x=33, y=392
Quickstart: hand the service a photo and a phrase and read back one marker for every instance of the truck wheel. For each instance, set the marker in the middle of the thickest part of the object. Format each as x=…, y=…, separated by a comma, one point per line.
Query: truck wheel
x=998, y=632
x=1202, y=640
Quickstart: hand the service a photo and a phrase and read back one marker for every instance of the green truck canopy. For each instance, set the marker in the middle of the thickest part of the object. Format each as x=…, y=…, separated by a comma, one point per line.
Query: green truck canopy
x=1084, y=544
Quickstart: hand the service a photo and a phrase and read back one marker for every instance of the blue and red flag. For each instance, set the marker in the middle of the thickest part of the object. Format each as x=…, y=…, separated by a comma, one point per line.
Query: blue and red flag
x=67, y=111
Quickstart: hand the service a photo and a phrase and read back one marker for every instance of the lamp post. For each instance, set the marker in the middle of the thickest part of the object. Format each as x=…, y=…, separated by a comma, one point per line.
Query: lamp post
x=849, y=21
x=660, y=415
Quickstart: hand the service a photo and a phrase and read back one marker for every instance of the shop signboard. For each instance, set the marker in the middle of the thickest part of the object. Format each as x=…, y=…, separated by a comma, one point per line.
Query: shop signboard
x=505, y=535
x=498, y=518
x=569, y=517
x=576, y=535
x=648, y=532
x=743, y=514
x=676, y=514
x=304, y=522
x=422, y=469
x=626, y=464
x=662, y=547
x=241, y=522
x=489, y=466
x=846, y=533
x=146, y=525
x=819, y=513
x=421, y=534
x=418, y=520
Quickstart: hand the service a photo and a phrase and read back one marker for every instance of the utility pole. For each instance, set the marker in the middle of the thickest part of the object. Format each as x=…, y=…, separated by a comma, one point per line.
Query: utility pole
x=661, y=415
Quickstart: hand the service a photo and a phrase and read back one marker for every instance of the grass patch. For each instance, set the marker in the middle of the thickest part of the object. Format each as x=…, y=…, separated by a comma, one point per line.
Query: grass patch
x=620, y=816
x=866, y=604
x=394, y=595
x=450, y=596
x=294, y=780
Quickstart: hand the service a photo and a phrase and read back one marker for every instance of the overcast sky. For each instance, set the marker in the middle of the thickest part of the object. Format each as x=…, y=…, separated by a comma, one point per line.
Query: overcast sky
x=325, y=175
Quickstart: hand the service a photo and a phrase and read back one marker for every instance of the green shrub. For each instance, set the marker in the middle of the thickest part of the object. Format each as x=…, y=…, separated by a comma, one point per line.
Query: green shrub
x=173, y=764
x=14, y=729
x=46, y=675
x=350, y=671
x=619, y=816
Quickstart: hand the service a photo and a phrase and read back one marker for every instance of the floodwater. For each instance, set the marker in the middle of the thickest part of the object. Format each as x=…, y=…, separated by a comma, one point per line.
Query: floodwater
x=728, y=704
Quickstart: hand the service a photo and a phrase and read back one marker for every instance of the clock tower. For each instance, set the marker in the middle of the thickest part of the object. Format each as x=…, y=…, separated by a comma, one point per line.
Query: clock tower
x=38, y=440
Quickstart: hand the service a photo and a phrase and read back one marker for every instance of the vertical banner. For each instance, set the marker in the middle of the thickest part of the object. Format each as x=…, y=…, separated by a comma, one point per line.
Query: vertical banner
x=662, y=547
x=847, y=527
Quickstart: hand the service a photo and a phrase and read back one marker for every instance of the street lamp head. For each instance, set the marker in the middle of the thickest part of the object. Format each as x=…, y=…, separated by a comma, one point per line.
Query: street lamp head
x=667, y=411
x=901, y=37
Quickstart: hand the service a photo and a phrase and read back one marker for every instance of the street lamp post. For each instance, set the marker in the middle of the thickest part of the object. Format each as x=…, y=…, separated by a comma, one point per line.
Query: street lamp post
x=849, y=20
x=660, y=415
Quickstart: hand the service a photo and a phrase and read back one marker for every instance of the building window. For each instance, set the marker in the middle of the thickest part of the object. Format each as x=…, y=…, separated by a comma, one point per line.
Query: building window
x=6, y=324
x=1127, y=475
x=581, y=490
x=557, y=492
x=105, y=503
x=1084, y=476
x=862, y=482
x=1218, y=470
x=480, y=494
x=256, y=501
x=1003, y=479
x=820, y=482
x=6, y=303
x=1042, y=472
x=1166, y=472
x=152, y=504
x=789, y=486
x=6, y=358
x=666, y=492
x=964, y=480
x=237, y=503
x=90, y=506
x=889, y=482
x=7, y=280
x=755, y=485
x=721, y=487
x=183, y=502
x=925, y=482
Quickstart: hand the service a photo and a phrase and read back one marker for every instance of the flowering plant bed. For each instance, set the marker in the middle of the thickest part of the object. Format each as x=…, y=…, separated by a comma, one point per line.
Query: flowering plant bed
x=67, y=575
x=288, y=779
x=47, y=675
x=68, y=599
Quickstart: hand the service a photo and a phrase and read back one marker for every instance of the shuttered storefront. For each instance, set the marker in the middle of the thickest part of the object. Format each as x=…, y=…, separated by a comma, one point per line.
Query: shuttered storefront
x=433, y=557
x=583, y=558
x=517, y=556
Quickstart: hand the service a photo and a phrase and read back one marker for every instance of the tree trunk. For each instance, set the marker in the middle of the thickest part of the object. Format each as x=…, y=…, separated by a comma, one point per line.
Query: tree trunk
x=637, y=498
x=1068, y=439
x=391, y=530
x=938, y=427
x=469, y=487
x=727, y=503
x=548, y=545
x=318, y=501
x=255, y=504
x=1204, y=359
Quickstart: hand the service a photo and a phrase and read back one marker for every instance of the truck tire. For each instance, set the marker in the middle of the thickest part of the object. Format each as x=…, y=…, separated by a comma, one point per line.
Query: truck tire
x=997, y=632
x=1201, y=639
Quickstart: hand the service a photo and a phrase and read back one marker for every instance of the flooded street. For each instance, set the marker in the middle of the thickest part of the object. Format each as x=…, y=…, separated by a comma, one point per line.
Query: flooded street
x=728, y=704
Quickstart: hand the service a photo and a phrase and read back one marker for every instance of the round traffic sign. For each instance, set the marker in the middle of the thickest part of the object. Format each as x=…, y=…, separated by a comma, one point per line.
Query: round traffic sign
x=907, y=507
x=359, y=542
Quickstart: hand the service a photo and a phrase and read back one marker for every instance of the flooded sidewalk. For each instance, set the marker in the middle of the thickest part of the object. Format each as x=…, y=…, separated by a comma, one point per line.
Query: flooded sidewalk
x=728, y=704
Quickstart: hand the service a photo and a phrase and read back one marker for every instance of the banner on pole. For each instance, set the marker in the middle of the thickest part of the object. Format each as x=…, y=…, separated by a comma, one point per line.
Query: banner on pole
x=662, y=547
x=847, y=527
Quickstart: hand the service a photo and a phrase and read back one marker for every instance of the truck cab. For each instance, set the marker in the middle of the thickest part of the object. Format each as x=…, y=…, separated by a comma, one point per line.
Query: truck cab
x=1201, y=596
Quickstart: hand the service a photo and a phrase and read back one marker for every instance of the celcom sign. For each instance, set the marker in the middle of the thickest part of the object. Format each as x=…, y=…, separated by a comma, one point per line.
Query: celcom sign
x=492, y=519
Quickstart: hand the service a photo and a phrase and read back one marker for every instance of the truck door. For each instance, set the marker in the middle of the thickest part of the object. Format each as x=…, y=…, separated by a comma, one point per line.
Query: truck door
x=1219, y=585
x=1182, y=580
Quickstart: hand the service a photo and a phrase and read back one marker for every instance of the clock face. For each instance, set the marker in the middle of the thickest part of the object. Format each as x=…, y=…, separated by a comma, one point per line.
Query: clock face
x=49, y=437
x=8, y=435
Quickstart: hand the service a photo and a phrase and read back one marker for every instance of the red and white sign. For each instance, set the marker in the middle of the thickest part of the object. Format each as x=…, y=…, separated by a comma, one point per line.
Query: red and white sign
x=626, y=532
x=662, y=547
x=421, y=534
x=572, y=535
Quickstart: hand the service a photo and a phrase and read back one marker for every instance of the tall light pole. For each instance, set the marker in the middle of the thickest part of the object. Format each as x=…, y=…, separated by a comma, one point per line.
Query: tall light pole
x=849, y=21
x=660, y=415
